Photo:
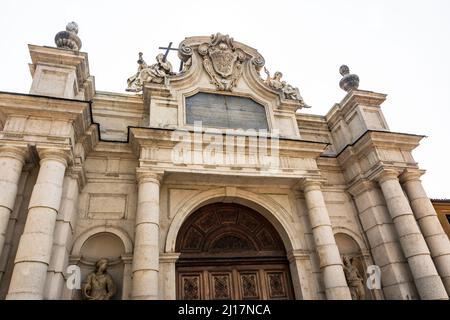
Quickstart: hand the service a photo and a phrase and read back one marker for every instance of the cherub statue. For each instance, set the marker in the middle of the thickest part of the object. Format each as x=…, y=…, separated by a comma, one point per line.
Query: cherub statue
x=99, y=284
x=354, y=279
x=156, y=73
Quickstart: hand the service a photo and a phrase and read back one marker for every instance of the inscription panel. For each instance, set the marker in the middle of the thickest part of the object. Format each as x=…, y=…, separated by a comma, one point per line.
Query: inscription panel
x=223, y=111
x=107, y=206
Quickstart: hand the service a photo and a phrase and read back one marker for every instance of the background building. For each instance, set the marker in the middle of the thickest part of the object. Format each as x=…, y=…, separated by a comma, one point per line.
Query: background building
x=259, y=201
x=442, y=207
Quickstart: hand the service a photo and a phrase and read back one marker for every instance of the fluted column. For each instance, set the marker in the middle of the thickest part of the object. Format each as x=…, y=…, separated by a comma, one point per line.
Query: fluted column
x=35, y=246
x=145, y=266
x=11, y=164
x=435, y=237
x=428, y=283
x=336, y=287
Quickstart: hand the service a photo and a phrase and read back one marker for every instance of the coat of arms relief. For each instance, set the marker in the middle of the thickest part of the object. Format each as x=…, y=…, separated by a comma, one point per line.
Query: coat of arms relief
x=222, y=61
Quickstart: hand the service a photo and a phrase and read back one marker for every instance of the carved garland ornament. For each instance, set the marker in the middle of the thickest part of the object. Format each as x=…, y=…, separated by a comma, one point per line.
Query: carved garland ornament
x=222, y=61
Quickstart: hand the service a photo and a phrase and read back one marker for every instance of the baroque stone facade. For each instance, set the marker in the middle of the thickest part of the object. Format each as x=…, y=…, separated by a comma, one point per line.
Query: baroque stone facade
x=89, y=175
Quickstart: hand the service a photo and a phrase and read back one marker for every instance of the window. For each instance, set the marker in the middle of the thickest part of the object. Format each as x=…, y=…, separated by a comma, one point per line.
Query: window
x=224, y=111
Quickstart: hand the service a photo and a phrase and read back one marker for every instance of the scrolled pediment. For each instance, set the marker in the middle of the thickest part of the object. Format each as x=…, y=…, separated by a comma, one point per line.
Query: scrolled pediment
x=229, y=65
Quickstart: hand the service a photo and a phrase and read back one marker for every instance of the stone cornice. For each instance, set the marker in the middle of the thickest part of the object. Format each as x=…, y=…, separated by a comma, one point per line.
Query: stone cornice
x=365, y=159
x=118, y=103
x=163, y=137
x=294, y=158
x=381, y=139
x=75, y=113
x=40, y=106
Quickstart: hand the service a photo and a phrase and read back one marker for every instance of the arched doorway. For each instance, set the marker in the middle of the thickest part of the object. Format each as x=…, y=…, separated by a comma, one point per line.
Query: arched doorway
x=229, y=251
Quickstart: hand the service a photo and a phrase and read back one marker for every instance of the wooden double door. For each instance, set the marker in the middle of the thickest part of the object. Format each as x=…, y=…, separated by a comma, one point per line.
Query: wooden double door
x=229, y=251
x=241, y=282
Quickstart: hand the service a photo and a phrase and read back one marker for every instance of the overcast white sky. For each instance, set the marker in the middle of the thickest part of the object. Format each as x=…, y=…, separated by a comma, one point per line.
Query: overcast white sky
x=401, y=48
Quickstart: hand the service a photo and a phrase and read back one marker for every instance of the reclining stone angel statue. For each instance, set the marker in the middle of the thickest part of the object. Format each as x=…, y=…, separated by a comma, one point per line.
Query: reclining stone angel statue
x=289, y=92
x=156, y=73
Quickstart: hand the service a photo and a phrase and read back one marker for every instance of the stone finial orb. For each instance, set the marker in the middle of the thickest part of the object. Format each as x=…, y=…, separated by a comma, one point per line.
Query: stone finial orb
x=72, y=27
x=68, y=39
x=348, y=81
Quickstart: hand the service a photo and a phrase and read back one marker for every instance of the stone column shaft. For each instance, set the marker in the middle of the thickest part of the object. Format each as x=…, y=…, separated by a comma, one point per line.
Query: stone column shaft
x=11, y=164
x=336, y=287
x=429, y=284
x=64, y=229
x=35, y=246
x=145, y=266
x=435, y=237
x=397, y=281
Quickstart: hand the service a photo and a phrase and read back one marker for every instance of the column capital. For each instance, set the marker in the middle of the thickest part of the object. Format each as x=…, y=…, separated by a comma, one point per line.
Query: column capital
x=126, y=258
x=56, y=154
x=411, y=175
x=15, y=152
x=360, y=186
x=78, y=173
x=298, y=254
x=169, y=257
x=384, y=174
x=145, y=175
x=309, y=184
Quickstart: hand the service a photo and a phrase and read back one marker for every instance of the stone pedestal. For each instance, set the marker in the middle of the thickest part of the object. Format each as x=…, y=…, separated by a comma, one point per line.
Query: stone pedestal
x=145, y=266
x=35, y=246
x=429, y=284
x=11, y=163
x=435, y=237
x=60, y=73
x=62, y=239
x=330, y=261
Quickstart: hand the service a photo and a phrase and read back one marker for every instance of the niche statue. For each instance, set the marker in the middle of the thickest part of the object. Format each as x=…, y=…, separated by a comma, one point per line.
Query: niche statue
x=354, y=279
x=99, y=284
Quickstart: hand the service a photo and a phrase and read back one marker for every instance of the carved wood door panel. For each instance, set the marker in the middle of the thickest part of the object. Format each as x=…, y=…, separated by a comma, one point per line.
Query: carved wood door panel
x=229, y=251
x=249, y=282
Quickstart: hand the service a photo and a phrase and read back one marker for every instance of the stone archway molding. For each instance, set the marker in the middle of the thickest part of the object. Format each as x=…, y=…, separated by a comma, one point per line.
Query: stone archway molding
x=353, y=235
x=270, y=209
x=83, y=237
